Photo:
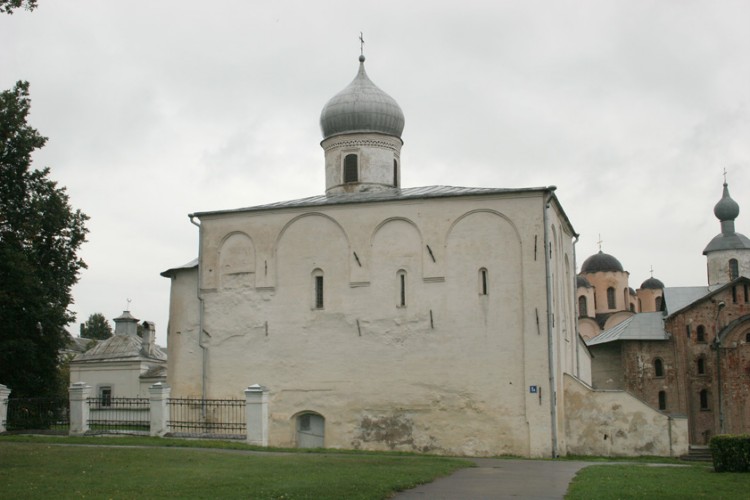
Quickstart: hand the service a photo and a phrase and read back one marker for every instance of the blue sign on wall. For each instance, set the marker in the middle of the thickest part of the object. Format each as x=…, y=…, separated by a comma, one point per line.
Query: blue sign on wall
x=532, y=389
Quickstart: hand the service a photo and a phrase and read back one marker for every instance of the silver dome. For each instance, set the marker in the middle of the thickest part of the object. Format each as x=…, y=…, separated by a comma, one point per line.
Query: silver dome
x=361, y=107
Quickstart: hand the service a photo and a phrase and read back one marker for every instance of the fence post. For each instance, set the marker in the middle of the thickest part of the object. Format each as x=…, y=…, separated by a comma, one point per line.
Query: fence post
x=256, y=411
x=4, y=394
x=159, y=409
x=79, y=408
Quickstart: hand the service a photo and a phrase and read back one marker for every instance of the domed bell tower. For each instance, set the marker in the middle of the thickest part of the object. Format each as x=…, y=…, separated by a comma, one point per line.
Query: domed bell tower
x=728, y=253
x=362, y=128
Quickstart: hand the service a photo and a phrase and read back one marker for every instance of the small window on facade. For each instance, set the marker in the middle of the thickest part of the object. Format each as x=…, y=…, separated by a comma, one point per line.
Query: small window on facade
x=734, y=294
x=658, y=367
x=583, y=309
x=483, y=282
x=402, y=288
x=657, y=301
x=747, y=337
x=318, y=288
x=395, y=173
x=611, y=298
x=747, y=292
x=350, y=168
x=105, y=396
x=703, y=395
x=701, y=365
x=734, y=269
x=662, y=400
x=687, y=330
x=700, y=334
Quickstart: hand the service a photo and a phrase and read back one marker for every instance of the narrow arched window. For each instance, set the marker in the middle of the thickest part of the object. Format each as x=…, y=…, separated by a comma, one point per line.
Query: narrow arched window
x=700, y=365
x=583, y=308
x=747, y=337
x=658, y=367
x=700, y=334
x=395, y=173
x=483, y=290
x=734, y=269
x=703, y=395
x=318, y=289
x=401, y=278
x=662, y=400
x=657, y=301
x=351, y=173
x=611, y=298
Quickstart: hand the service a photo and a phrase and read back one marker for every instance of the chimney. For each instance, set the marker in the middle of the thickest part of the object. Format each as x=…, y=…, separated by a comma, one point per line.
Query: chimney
x=149, y=335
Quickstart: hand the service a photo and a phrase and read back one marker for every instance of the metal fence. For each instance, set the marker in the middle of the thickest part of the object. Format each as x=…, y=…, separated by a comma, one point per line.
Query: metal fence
x=207, y=418
x=46, y=415
x=108, y=415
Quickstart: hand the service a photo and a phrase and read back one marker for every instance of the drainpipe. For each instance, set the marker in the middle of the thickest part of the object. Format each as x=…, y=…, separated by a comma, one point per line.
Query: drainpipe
x=550, y=340
x=204, y=348
x=717, y=345
x=575, y=308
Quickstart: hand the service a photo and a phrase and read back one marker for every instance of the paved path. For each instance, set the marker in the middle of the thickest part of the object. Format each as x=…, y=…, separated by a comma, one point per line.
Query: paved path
x=501, y=479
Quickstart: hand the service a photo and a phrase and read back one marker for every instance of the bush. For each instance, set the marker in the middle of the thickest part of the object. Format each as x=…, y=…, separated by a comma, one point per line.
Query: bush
x=731, y=453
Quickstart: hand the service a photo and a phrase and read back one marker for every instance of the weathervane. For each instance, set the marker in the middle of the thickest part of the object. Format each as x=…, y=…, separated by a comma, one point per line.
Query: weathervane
x=128, y=306
x=361, y=44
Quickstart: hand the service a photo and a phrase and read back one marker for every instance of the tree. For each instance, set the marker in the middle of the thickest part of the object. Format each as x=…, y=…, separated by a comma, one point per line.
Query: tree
x=40, y=235
x=96, y=327
x=8, y=6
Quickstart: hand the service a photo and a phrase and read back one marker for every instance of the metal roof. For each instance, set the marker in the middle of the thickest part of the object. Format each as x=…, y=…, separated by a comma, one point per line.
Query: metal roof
x=641, y=326
x=190, y=265
x=120, y=347
x=676, y=298
x=394, y=194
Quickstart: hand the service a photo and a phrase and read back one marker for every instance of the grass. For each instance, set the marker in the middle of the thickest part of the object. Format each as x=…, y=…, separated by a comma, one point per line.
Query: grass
x=663, y=482
x=33, y=467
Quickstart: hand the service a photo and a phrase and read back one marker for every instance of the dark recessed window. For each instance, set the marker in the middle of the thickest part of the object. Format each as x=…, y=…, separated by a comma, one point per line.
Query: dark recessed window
x=483, y=282
x=747, y=337
x=700, y=334
x=611, y=298
x=351, y=173
x=662, y=400
x=583, y=307
x=658, y=367
x=395, y=173
x=402, y=288
x=318, y=302
x=703, y=395
x=734, y=269
x=105, y=396
x=657, y=301
x=700, y=365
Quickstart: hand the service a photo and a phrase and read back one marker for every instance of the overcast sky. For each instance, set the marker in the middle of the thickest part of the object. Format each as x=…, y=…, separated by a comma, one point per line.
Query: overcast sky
x=157, y=109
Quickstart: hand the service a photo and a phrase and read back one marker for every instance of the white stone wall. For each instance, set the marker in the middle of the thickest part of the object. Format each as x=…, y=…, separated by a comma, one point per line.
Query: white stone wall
x=718, y=265
x=614, y=423
x=451, y=372
x=121, y=376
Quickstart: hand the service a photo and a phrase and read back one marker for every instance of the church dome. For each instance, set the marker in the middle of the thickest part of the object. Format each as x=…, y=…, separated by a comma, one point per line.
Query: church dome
x=726, y=209
x=361, y=107
x=582, y=282
x=652, y=284
x=601, y=262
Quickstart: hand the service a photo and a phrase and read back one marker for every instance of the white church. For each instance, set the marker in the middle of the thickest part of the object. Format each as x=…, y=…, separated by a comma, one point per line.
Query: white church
x=438, y=319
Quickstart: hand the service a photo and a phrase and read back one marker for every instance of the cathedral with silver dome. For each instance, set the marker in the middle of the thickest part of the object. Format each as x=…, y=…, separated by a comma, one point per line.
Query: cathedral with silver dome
x=378, y=316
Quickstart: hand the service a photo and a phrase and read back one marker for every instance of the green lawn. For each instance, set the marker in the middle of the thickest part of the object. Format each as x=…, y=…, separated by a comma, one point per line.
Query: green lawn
x=46, y=470
x=663, y=482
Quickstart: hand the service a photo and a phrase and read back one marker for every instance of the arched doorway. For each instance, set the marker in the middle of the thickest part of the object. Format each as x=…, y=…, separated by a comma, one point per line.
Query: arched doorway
x=310, y=430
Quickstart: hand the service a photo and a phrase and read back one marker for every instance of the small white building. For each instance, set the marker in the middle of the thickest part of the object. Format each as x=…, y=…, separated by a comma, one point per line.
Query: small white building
x=124, y=365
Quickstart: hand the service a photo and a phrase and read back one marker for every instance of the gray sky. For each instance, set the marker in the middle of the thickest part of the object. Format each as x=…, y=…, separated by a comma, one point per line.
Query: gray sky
x=156, y=109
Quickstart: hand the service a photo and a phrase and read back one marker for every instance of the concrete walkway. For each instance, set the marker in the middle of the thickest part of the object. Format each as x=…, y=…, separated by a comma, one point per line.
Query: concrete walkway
x=501, y=479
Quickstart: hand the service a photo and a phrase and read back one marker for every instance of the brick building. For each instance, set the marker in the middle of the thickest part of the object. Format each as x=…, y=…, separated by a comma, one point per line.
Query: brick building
x=691, y=356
